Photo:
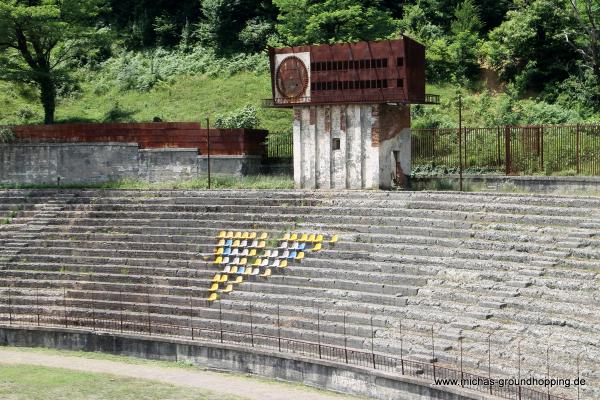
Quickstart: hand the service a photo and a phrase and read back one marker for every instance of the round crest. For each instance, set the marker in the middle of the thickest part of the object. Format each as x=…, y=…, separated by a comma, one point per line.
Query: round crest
x=292, y=77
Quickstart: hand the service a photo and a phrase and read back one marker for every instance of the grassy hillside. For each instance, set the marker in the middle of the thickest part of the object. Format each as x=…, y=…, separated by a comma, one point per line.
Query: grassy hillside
x=194, y=98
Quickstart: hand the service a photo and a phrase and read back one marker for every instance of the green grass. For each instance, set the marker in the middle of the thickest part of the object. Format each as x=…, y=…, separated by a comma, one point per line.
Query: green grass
x=24, y=382
x=217, y=182
x=186, y=98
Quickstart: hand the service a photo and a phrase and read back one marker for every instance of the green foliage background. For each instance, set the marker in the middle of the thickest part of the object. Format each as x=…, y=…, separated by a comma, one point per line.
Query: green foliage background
x=514, y=61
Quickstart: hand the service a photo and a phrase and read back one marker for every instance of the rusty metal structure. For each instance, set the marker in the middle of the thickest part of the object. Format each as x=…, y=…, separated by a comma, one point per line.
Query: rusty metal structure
x=376, y=72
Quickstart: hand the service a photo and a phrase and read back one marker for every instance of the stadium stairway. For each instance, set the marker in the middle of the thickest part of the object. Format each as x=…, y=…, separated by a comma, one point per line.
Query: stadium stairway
x=415, y=273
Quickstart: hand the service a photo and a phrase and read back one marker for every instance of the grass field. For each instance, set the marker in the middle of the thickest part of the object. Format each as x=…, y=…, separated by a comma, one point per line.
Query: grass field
x=217, y=182
x=26, y=382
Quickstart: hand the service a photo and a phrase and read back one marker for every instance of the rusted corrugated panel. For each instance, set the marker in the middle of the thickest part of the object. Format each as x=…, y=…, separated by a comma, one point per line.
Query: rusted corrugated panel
x=364, y=72
x=151, y=135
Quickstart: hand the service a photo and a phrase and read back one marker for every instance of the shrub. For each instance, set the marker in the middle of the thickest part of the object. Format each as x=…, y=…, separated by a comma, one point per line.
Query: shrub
x=118, y=114
x=7, y=135
x=245, y=117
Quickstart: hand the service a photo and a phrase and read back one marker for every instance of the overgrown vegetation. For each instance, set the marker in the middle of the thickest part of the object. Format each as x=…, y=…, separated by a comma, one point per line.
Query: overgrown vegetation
x=515, y=61
x=6, y=135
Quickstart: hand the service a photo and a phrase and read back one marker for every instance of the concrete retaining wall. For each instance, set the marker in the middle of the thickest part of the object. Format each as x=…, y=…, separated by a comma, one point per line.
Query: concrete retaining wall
x=317, y=373
x=540, y=184
x=73, y=163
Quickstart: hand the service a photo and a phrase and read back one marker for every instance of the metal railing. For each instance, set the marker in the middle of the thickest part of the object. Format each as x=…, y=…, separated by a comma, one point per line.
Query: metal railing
x=188, y=328
x=375, y=96
x=512, y=150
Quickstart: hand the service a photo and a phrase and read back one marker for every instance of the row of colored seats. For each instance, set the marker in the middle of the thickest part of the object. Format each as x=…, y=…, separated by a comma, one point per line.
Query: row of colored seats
x=255, y=244
x=307, y=237
x=300, y=246
x=242, y=235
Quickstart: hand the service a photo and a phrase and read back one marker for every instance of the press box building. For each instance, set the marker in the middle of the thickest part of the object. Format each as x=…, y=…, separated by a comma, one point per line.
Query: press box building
x=351, y=101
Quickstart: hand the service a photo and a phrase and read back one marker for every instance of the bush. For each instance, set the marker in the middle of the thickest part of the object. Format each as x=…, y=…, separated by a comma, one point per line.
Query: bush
x=118, y=114
x=245, y=117
x=7, y=135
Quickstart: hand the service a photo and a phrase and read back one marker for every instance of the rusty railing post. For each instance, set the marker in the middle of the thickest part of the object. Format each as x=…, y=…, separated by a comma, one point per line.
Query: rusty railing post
x=541, y=146
x=208, y=150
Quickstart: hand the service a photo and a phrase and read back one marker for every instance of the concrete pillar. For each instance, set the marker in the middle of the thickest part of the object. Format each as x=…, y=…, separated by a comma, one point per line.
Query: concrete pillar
x=350, y=146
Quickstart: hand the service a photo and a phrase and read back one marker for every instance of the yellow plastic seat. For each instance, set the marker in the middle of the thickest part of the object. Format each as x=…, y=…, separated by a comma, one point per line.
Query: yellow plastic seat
x=218, y=251
x=221, y=243
x=293, y=237
x=263, y=236
x=237, y=235
x=257, y=262
x=319, y=238
x=248, y=271
x=252, y=253
x=229, y=235
x=252, y=235
x=224, y=278
x=285, y=237
x=317, y=247
x=243, y=261
x=236, y=243
x=218, y=260
x=266, y=273
x=245, y=235
x=300, y=256
x=303, y=238
x=233, y=270
x=212, y=297
x=214, y=287
x=283, y=264
x=216, y=278
x=312, y=238
x=228, y=289
x=333, y=239
x=262, y=244
x=222, y=234
x=239, y=279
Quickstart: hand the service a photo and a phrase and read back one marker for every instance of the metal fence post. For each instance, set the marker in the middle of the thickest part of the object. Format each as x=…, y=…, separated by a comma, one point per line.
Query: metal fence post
x=208, y=150
x=345, y=341
x=401, y=349
x=251, y=326
x=65, y=306
x=121, y=309
x=37, y=304
x=9, y=307
x=507, y=155
x=148, y=311
x=191, y=318
x=460, y=159
x=221, y=321
x=319, y=330
x=278, y=329
x=541, y=145
x=373, y=343
x=490, y=361
x=578, y=151
x=460, y=339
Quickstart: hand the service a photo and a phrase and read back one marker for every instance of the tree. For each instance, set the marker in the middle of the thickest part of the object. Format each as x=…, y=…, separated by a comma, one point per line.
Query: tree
x=39, y=40
x=330, y=21
x=466, y=27
x=584, y=35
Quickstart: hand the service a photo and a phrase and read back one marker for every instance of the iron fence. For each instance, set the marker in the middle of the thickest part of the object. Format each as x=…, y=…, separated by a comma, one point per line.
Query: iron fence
x=69, y=313
x=512, y=150
x=280, y=145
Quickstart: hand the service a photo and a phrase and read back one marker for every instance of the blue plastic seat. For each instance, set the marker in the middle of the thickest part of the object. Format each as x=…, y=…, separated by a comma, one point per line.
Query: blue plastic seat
x=292, y=255
x=241, y=270
x=229, y=242
x=301, y=246
x=227, y=251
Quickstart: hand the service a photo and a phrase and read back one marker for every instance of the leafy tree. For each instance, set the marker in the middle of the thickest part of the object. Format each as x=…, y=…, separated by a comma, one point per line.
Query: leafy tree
x=584, y=34
x=224, y=20
x=39, y=40
x=528, y=48
x=330, y=21
x=464, y=48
